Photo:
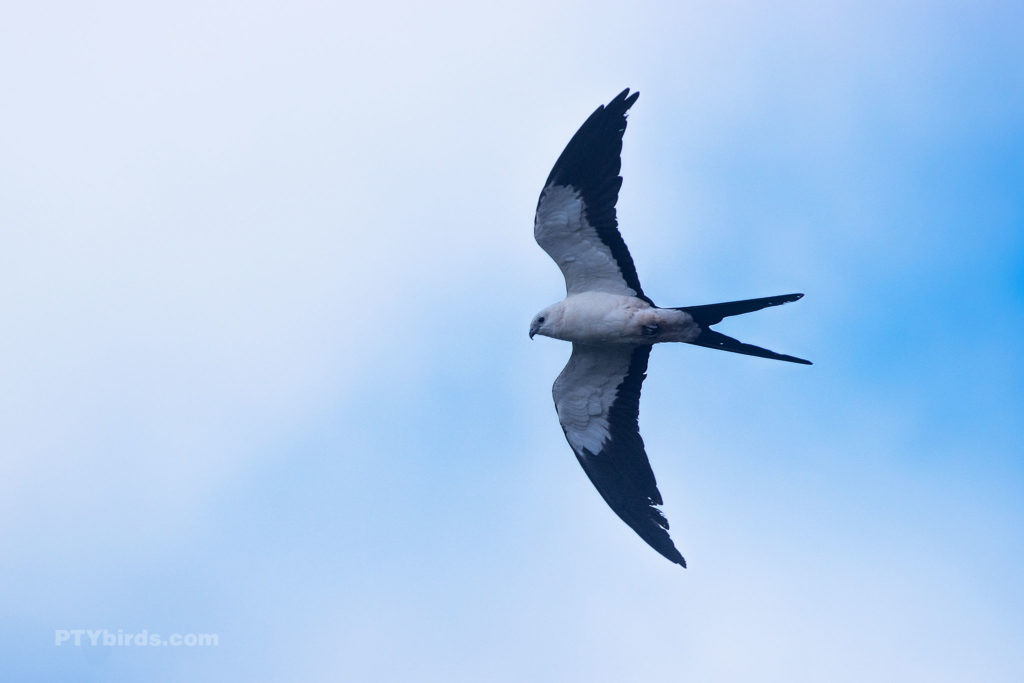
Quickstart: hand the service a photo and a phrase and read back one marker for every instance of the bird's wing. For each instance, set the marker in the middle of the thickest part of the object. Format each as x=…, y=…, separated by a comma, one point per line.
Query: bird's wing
x=575, y=222
x=597, y=397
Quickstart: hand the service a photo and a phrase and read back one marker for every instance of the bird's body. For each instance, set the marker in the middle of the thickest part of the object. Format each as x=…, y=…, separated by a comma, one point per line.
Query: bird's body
x=612, y=324
x=601, y=318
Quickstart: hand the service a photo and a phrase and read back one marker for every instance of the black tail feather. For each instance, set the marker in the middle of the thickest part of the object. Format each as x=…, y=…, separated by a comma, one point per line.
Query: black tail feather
x=717, y=340
x=711, y=314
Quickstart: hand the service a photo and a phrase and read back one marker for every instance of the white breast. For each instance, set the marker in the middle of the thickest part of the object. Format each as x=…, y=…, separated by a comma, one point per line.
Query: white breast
x=599, y=318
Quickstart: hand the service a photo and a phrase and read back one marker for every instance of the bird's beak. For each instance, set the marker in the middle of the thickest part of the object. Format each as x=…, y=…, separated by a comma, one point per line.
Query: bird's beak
x=533, y=331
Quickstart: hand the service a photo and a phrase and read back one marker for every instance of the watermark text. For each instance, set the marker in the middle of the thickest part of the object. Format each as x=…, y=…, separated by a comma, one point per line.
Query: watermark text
x=102, y=637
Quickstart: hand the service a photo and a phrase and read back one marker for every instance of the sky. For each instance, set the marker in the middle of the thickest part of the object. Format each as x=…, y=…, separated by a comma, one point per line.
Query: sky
x=266, y=273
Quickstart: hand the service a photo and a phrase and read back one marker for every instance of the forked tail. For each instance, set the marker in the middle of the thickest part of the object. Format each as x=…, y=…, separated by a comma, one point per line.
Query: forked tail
x=712, y=314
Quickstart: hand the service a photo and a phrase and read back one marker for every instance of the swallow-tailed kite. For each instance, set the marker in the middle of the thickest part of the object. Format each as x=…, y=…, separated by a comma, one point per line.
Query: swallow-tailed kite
x=612, y=324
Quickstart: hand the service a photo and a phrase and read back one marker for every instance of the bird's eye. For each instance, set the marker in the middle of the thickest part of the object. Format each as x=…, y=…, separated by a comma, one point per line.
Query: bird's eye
x=541, y=320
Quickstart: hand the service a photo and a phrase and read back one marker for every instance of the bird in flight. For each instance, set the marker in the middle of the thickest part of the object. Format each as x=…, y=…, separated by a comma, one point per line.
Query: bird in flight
x=612, y=324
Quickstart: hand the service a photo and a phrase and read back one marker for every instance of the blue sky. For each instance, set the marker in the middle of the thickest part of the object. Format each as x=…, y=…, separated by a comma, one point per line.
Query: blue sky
x=267, y=271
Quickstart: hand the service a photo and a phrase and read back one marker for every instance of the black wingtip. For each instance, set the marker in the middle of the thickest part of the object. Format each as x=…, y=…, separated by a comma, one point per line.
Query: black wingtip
x=664, y=545
x=622, y=101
